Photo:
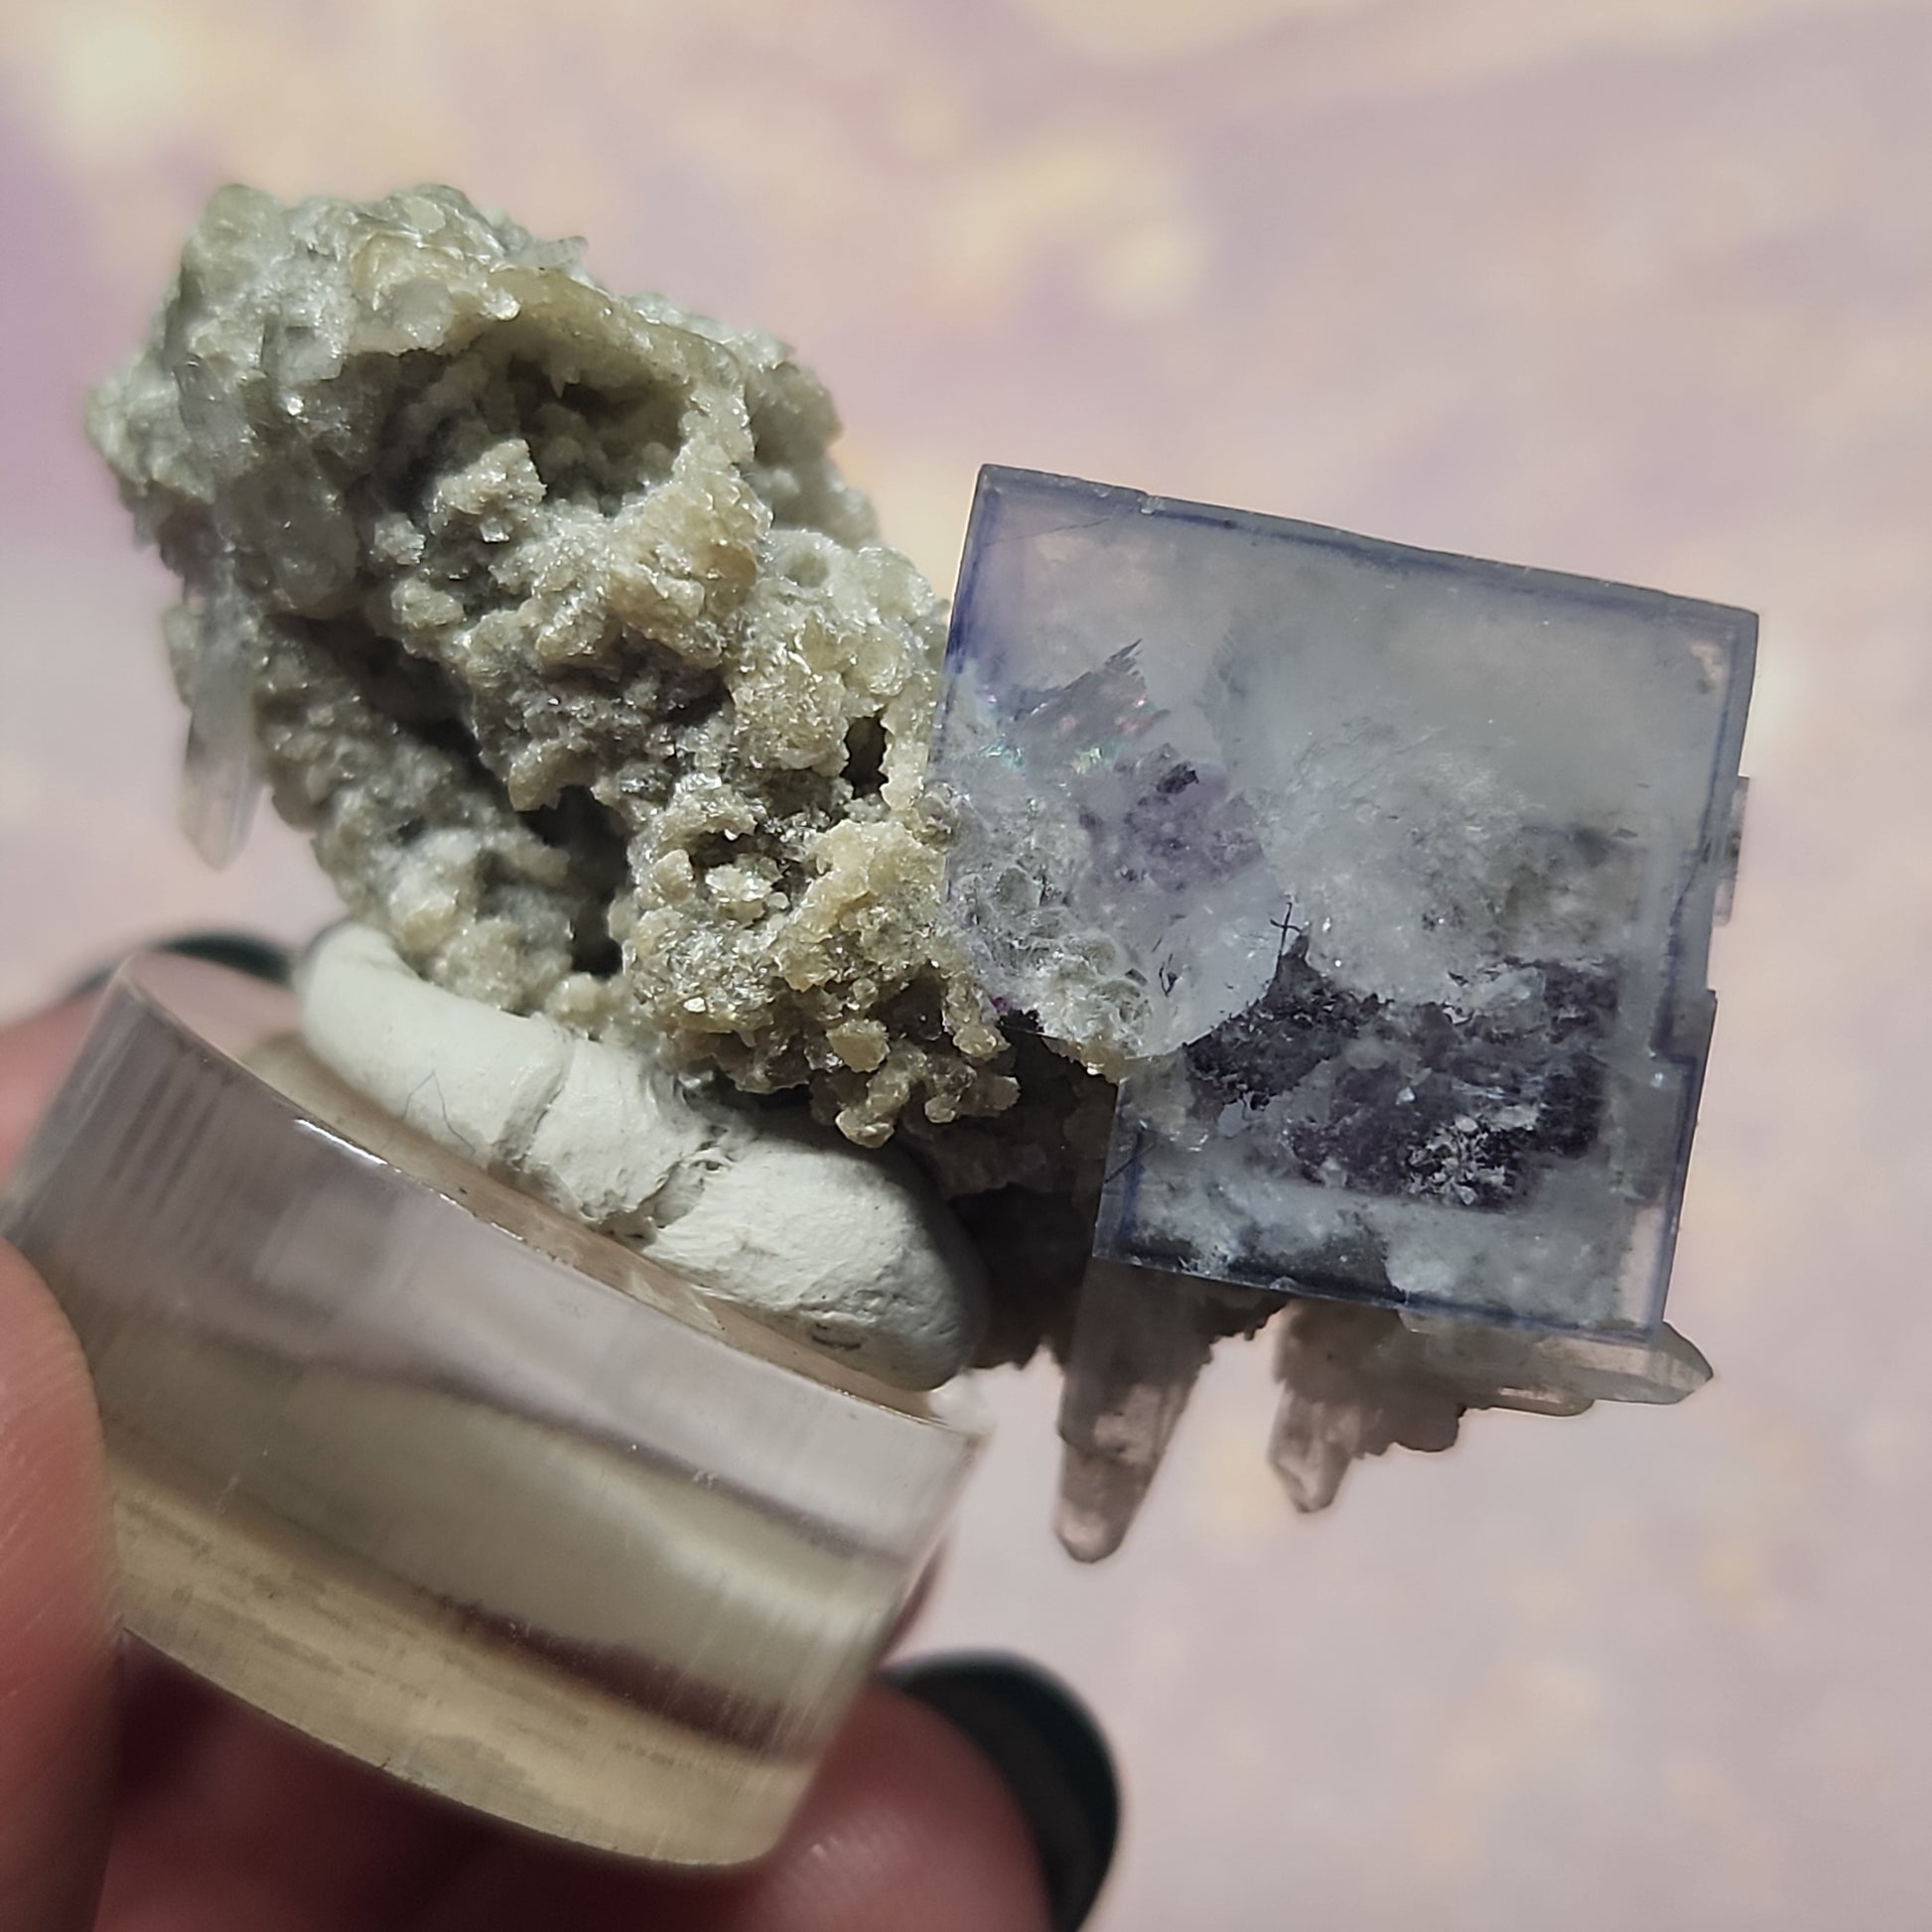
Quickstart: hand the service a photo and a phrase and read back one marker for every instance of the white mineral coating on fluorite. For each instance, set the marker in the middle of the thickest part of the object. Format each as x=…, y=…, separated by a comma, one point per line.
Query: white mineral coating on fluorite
x=841, y=1249
x=1384, y=878
x=1103, y=880
x=547, y=613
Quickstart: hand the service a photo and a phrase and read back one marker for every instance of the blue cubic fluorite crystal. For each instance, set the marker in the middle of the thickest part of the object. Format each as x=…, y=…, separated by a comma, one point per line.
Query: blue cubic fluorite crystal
x=1383, y=880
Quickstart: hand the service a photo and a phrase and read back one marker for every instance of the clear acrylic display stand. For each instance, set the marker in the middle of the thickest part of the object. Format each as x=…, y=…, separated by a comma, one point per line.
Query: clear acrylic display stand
x=413, y=1463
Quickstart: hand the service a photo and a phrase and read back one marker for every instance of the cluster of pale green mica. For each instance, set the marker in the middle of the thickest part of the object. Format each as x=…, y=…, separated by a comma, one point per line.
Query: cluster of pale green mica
x=559, y=632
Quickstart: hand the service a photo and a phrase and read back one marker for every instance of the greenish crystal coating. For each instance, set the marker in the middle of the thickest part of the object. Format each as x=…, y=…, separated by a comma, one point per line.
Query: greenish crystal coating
x=547, y=615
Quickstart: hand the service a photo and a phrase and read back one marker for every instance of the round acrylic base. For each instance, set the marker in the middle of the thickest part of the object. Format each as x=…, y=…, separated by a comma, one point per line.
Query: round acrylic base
x=430, y=1472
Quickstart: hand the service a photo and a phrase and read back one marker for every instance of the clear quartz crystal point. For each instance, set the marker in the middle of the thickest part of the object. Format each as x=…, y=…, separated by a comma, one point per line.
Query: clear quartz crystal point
x=1333, y=1411
x=1385, y=878
x=1357, y=1381
x=1139, y=1343
x=220, y=783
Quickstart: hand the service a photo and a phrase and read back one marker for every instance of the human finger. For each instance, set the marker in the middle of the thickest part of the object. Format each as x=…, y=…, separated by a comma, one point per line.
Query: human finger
x=34, y=1053
x=907, y=1824
x=229, y=1820
x=57, y=1655
x=1048, y=1751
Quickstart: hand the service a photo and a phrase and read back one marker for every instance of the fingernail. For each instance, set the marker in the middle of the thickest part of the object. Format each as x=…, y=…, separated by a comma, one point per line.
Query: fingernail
x=1050, y=1753
x=241, y=952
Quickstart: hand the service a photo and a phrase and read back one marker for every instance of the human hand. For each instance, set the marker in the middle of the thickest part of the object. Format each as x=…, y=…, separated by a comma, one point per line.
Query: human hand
x=135, y=1799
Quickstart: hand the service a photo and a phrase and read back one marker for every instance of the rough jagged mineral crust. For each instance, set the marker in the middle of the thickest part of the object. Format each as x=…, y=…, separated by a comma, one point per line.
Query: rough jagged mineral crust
x=557, y=628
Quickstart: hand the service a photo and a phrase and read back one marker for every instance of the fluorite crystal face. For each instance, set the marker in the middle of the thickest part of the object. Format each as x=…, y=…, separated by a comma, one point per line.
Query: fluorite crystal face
x=1383, y=878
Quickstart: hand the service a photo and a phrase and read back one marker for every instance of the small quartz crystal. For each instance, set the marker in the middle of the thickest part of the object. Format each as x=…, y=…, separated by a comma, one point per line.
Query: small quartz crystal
x=1357, y=1381
x=1139, y=1344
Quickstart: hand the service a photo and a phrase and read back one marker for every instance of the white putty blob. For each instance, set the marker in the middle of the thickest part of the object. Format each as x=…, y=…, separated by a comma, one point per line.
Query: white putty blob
x=841, y=1249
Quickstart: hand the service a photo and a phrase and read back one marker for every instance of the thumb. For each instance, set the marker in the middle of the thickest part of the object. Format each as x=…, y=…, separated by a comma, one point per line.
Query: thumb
x=57, y=1652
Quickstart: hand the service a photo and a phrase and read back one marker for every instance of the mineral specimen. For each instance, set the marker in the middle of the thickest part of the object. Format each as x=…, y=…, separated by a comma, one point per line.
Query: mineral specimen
x=1383, y=881
x=1358, y=1381
x=1361, y=895
x=1385, y=878
x=547, y=613
x=1138, y=1342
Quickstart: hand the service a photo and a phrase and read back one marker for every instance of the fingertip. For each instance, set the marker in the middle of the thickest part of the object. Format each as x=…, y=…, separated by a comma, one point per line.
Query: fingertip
x=52, y=1471
x=57, y=1656
x=907, y=1825
x=1050, y=1752
x=37, y=1053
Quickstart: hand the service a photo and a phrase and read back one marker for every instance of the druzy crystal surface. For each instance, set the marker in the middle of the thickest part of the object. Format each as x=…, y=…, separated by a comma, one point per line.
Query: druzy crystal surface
x=547, y=613
x=1382, y=879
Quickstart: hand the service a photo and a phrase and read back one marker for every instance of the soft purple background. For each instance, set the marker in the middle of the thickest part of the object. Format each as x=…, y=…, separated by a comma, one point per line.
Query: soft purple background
x=1635, y=287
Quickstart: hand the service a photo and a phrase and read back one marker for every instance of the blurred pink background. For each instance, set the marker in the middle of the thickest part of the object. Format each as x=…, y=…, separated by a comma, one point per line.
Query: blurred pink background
x=1635, y=287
